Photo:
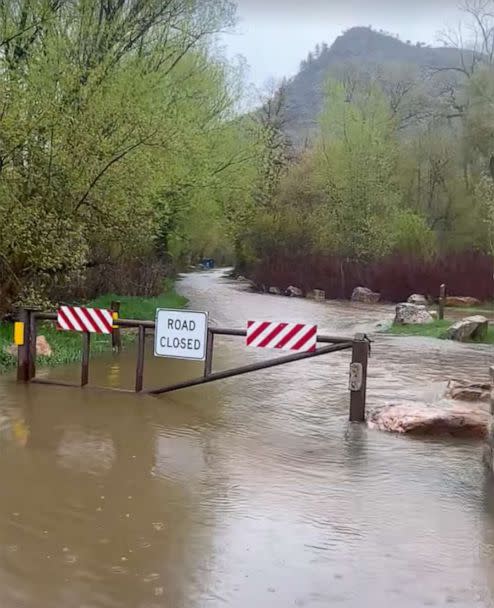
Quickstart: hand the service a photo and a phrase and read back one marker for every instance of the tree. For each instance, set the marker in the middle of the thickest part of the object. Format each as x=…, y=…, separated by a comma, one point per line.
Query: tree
x=357, y=161
x=108, y=111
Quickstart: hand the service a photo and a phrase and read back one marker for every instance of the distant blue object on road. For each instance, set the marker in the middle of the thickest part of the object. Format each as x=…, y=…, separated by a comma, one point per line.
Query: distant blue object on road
x=207, y=263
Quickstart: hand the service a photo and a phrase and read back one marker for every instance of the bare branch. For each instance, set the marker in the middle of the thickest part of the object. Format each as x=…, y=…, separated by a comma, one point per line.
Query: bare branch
x=107, y=166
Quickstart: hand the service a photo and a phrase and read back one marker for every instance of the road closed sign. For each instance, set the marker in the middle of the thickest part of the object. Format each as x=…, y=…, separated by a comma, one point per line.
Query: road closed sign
x=180, y=334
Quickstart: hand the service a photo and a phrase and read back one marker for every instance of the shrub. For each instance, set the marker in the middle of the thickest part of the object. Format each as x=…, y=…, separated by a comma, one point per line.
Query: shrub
x=395, y=277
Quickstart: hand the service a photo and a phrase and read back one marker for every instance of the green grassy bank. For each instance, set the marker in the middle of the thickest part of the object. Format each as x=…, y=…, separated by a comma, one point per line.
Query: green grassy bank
x=436, y=329
x=66, y=346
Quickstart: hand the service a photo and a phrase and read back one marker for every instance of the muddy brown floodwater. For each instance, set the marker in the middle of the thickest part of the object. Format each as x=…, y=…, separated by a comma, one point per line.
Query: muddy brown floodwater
x=253, y=491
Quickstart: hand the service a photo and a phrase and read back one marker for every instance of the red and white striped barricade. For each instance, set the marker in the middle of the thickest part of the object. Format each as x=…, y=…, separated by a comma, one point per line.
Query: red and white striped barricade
x=282, y=336
x=79, y=318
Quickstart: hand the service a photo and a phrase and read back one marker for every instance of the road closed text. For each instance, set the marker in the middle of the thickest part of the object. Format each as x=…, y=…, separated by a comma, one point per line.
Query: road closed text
x=180, y=343
x=180, y=334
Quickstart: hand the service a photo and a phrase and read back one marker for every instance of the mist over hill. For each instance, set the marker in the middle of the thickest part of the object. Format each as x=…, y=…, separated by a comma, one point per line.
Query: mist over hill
x=361, y=49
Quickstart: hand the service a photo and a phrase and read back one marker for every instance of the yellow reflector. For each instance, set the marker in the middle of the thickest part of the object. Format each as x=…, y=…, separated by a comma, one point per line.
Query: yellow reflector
x=19, y=333
x=115, y=318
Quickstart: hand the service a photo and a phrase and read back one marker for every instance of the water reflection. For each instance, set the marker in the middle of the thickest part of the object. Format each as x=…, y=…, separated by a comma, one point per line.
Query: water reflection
x=92, y=511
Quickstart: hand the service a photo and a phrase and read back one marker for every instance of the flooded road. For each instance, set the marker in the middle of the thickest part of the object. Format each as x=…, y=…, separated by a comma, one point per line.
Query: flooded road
x=253, y=491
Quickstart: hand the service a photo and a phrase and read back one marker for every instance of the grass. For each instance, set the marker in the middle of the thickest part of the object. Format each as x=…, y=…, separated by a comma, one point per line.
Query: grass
x=432, y=330
x=136, y=307
x=485, y=308
x=66, y=345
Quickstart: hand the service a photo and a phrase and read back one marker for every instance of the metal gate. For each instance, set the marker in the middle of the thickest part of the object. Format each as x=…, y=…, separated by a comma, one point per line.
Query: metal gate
x=359, y=346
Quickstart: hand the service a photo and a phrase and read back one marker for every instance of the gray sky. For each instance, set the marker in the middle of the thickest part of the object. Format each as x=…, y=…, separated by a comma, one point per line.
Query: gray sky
x=275, y=35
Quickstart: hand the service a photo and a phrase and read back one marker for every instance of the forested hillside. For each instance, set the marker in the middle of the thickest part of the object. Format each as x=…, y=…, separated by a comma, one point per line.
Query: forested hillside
x=357, y=51
x=123, y=156
x=384, y=166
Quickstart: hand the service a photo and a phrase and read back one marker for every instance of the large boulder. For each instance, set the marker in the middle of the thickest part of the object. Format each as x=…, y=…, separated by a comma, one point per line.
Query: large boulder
x=365, y=295
x=463, y=390
x=412, y=314
x=294, y=292
x=462, y=301
x=415, y=419
x=469, y=328
x=417, y=298
x=317, y=294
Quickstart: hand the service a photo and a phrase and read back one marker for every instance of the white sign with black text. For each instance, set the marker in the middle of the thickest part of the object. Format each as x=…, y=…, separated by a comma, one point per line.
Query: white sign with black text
x=180, y=334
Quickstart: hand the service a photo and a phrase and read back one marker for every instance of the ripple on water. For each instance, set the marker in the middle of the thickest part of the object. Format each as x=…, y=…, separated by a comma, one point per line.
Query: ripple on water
x=251, y=491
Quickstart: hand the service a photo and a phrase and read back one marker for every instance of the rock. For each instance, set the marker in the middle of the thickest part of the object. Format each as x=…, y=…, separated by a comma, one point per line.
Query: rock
x=412, y=314
x=316, y=294
x=294, y=292
x=383, y=325
x=462, y=301
x=469, y=328
x=241, y=278
x=463, y=390
x=43, y=349
x=417, y=298
x=363, y=294
x=460, y=421
x=276, y=291
x=433, y=314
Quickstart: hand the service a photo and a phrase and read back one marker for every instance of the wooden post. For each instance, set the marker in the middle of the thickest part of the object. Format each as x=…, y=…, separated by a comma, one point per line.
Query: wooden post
x=140, y=358
x=23, y=350
x=116, y=338
x=86, y=344
x=32, y=344
x=442, y=302
x=358, y=378
x=208, y=363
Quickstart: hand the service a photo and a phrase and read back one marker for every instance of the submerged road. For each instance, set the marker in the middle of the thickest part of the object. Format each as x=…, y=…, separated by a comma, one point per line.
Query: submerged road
x=254, y=491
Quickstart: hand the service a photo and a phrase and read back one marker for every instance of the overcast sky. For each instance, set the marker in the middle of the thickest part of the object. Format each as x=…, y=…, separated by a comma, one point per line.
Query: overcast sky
x=275, y=35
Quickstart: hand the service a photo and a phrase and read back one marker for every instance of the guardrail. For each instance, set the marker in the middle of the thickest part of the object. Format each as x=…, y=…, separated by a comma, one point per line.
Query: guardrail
x=359, y=345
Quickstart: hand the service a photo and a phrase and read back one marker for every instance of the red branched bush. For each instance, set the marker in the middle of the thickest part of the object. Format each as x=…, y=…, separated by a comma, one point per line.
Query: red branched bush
x=395, y=277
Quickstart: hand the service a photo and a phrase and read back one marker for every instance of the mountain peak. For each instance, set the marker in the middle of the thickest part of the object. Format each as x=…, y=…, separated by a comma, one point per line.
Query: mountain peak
x=358, y=40
x=361, y=46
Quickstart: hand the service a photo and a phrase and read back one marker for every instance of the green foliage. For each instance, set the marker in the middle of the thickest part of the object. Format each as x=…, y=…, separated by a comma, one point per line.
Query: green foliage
x=342, y=197
x=398, y=165
x=119, y=141
x=402, y=157
x=66, y=346
x=436, y=329
x=136, y=307
x=479, y=114
x=485, y=195
x=429, y=330
x=357, y=156
x=112, y=114
x=412, y=235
